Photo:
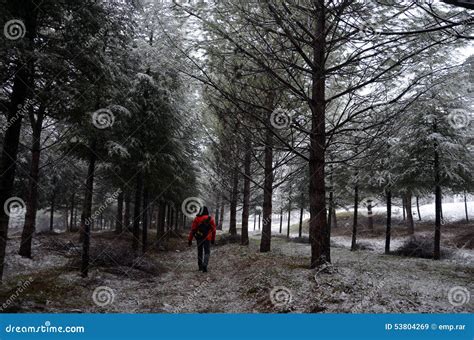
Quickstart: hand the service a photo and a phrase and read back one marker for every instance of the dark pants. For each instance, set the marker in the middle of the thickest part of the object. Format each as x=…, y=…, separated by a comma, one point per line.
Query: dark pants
x=206, y=246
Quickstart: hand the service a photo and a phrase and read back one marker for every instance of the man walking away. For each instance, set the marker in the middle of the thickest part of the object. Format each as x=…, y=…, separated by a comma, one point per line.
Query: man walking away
x=203, y=230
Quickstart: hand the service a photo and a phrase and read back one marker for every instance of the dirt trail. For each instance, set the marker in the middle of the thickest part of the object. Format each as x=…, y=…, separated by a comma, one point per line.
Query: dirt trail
x=240, y=279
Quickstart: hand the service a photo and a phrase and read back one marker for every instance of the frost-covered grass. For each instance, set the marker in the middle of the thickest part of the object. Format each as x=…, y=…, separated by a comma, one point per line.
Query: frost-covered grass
x=240, y=279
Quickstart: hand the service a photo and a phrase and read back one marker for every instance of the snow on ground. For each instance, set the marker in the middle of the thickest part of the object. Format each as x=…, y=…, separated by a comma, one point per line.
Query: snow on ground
x=452, y=211
x=241, y=279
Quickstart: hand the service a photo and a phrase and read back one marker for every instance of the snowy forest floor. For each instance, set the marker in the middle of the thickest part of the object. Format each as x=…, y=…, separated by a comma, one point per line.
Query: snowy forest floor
x=240, y=279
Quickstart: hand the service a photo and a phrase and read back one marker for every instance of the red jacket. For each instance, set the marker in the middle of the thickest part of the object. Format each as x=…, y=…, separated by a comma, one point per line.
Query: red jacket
x=197, y=221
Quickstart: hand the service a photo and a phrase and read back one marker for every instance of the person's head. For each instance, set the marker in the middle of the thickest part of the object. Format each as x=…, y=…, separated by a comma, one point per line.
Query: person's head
x=203, y=211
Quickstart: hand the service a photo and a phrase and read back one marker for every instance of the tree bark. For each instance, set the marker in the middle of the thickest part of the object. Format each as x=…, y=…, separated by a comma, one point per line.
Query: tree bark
x=403, y=207
x=389, y=222
x=51, y=214
x=119, y=216
x=465, y=207
x=370, y=216
x=221, y=219
x=300, y=228
x=87, y=210
x=32, y=201
x=281, y=220
x=233, y=203
x=246, y=193
x=354, y=222
x=216, y=213
x=411, y=223
x=437, y=236
x=289, y=220
x=72, y=227
x=266, y=238
x=22, y=82
x=317, y=191
x=418, y=208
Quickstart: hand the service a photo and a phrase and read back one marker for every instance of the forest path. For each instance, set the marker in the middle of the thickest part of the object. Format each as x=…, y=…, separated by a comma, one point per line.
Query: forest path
x=240, y=279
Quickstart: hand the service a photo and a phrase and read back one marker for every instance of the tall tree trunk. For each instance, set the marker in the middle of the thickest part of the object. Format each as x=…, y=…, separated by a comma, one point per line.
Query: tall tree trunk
x=370, y=216
x=254, y=220
x=300, y=228
x=137, y=213
x=389, y=222
x=221, y=219
x=32, y=201
x=51, y=214
x=126, y=215
x=145, y=219
x=266, y=238
x=437, y=236
x=22, y=82
x=216, y=213
x=411, y=223
x=317, y=191
x=331, y=212
x=354, y=222
x=87, y=210
x=281, y=220
x=418, y=208
x=233, y=203
x=246, y=193
x=289, y=220
x=465, y=207
x=259, y=219
x=403, y=207
x=72, y=211
x=119, y=216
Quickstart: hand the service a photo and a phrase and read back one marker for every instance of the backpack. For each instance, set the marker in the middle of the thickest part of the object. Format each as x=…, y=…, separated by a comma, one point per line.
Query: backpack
x=203, y=229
